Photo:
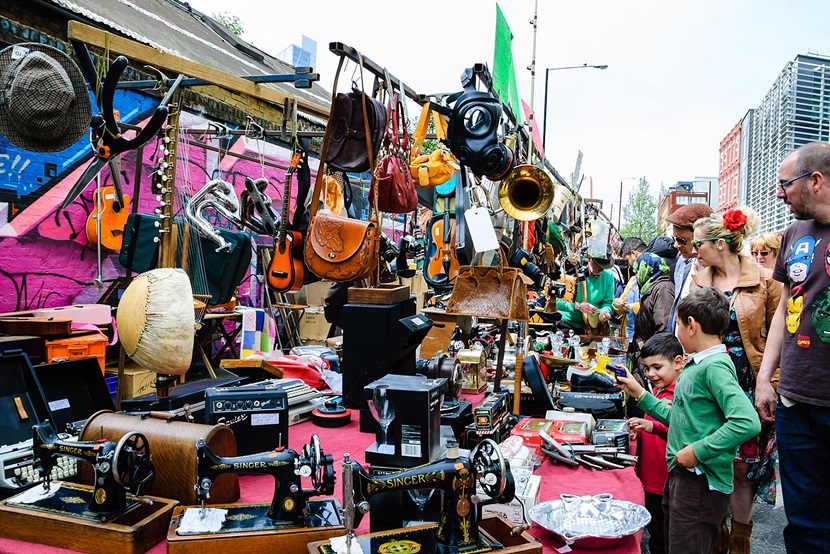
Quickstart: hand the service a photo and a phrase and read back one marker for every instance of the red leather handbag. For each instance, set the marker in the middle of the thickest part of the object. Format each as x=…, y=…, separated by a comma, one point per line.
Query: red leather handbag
x=393, y=181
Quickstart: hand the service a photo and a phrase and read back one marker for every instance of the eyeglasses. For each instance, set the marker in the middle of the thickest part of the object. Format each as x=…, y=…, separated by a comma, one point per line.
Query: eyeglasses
x=763, y=253
x=697, y=242
x=785, y=184
x=679, y=240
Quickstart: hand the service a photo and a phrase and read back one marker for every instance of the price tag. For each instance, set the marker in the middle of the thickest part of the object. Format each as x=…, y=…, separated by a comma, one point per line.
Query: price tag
x=481, y=229
x=19, y=51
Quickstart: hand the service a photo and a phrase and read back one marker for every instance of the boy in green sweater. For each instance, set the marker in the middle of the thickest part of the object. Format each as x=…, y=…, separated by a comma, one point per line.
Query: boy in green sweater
x=709, y=417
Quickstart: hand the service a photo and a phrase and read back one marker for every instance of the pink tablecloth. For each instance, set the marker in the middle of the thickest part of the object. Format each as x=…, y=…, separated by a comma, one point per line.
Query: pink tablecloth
x=623, y=484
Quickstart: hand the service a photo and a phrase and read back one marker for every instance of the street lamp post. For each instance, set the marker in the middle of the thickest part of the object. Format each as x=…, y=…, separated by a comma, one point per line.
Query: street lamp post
x=547, y=73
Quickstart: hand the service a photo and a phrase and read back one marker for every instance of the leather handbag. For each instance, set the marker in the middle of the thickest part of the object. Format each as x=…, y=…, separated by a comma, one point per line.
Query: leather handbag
x=396, y=193
x=348, y=149
x=437, y=167
x=340, y=248
x=495, y=292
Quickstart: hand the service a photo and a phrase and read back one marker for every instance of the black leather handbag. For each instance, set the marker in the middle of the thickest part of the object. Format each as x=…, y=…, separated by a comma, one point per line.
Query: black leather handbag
x=347, y=141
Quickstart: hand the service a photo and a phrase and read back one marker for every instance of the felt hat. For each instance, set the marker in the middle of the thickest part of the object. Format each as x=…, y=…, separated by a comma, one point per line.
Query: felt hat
x=44, y=103
x=607, y=261
x=685, y=216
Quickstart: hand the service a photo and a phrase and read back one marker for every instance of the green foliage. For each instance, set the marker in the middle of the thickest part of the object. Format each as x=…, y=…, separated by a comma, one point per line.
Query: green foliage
x=230, y=22
x=640, y=214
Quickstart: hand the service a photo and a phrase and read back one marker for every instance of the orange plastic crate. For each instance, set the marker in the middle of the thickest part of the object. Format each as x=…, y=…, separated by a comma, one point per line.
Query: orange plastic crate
x=81, y=346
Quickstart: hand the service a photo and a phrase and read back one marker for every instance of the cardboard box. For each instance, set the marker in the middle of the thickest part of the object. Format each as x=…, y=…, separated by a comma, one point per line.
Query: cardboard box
x=527, y=494
x=573, y=432
x=313, y=326
x=528, y=429
x=572, y=416
x=314, y=294
x=137, y=381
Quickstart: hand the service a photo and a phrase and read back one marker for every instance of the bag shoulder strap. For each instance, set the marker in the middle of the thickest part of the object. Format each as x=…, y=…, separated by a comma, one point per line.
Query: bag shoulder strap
x=420, y=133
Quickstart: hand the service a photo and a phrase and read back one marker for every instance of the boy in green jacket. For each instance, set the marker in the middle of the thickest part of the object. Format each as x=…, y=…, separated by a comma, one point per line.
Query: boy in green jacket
x=709, y=417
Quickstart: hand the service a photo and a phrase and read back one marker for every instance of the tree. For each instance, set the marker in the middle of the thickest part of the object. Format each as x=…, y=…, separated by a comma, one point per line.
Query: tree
x=640, y=214
x=230, y=22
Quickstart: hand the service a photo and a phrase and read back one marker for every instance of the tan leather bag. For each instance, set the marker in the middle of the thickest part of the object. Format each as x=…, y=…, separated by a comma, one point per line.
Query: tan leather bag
x=495, y=292
x=341, y=248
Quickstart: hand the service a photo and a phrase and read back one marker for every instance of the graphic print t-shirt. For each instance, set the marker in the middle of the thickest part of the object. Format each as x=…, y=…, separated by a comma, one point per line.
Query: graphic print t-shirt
x=804, y=264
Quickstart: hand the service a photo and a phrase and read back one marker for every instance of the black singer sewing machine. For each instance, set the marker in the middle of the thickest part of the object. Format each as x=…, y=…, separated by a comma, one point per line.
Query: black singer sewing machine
x=456, y=476
x=120, y=468
x=290, y=521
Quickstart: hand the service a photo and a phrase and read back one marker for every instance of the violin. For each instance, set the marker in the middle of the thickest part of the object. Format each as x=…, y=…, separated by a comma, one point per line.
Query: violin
x=442, y=266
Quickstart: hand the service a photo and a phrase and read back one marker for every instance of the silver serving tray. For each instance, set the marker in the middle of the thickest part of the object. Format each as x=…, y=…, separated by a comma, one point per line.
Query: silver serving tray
x=590, y=521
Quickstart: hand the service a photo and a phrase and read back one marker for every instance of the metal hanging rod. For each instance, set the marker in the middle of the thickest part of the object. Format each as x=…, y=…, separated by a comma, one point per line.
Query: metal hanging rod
x=302, y=78
x=341, y=49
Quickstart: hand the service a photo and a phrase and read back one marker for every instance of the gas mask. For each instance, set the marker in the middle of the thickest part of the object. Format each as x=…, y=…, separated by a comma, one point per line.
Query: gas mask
x=473, y=134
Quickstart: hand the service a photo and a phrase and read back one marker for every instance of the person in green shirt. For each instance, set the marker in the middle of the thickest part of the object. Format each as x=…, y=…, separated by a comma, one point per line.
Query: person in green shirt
x=708, y=419
x=600, y=286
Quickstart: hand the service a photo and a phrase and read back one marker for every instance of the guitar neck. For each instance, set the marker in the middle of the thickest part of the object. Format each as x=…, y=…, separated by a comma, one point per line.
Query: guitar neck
x=167, y=244
x=286, y=199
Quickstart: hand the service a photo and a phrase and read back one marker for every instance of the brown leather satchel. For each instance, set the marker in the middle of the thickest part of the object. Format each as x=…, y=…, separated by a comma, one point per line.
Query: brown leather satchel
x=347, y=144
x=495, y=292
x=340, y=248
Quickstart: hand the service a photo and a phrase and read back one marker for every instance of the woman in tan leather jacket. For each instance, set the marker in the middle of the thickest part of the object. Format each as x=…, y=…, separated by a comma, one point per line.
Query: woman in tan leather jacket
x=754, y=295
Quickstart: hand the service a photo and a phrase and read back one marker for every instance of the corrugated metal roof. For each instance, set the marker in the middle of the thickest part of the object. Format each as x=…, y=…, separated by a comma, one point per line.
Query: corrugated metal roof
x=175, y=28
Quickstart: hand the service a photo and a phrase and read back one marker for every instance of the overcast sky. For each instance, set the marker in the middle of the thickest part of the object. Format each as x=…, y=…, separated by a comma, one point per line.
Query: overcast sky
x=681, y=73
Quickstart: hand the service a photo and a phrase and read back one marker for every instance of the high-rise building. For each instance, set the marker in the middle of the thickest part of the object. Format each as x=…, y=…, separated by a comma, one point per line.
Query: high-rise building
x=795, y=111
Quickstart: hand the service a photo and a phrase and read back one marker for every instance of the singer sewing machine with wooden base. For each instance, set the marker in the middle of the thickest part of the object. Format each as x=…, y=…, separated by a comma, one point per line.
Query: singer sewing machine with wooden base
x=108, y=517
x=460, y=530
x=286, y=525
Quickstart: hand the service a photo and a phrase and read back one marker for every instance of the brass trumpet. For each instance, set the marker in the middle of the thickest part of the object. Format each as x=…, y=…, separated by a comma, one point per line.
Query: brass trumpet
x=526, y=193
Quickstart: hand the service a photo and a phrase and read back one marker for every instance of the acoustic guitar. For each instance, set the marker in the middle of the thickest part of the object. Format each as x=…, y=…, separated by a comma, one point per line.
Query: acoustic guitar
x=286, y=271
x=112, y=219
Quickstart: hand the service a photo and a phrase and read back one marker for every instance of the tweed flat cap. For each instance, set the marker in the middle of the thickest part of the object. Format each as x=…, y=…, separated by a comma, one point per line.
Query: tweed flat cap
x=44, y=103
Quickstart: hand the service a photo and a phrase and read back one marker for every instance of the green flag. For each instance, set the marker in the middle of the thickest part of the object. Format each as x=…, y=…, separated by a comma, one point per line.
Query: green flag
x=504, y=74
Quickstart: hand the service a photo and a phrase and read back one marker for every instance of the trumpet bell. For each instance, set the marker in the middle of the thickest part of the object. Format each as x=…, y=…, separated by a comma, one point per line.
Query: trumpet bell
x=526, y=193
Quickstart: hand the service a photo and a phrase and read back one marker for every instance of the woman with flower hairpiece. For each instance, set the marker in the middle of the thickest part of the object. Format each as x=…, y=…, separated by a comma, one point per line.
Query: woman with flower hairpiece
x=754, y=296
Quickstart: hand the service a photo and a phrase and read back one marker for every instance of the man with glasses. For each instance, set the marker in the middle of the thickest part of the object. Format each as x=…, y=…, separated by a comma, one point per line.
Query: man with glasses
x=799, y=341
x=683, y=231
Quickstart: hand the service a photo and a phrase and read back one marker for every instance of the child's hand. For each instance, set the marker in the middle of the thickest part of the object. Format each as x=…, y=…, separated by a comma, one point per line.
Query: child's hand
x=686, y=457
x=629, y=384
x=637, y=423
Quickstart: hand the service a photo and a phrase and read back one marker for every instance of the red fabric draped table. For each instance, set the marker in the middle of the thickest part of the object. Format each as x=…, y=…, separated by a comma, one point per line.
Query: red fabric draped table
x=556, y=479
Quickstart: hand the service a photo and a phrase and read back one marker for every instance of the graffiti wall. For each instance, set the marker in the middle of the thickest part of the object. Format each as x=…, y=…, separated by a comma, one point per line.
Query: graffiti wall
x=46, y=258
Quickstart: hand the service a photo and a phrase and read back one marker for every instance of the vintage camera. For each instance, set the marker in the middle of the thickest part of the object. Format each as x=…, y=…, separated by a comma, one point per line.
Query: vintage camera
x=557, y=289
x=388, y=250
x=408, y=251
x=524, y=260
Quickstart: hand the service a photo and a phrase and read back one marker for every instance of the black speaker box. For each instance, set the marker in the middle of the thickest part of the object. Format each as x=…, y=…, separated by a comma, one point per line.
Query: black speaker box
x=378, y=339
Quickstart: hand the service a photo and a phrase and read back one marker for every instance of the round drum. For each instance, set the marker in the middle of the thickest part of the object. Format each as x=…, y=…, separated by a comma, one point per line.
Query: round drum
x=156, y=321
x=173, y=450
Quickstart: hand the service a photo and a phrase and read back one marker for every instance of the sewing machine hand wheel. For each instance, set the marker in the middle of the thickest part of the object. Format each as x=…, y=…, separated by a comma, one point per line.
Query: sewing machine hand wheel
x=322, y=466
x=132, y=467
x=490, y=467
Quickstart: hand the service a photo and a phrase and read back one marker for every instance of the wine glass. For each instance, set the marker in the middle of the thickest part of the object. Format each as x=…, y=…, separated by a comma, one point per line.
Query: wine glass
x=421, y=497
x=383, y=410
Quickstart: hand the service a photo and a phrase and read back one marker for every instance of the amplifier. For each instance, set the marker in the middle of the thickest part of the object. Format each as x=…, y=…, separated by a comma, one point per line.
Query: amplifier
x=258, y=416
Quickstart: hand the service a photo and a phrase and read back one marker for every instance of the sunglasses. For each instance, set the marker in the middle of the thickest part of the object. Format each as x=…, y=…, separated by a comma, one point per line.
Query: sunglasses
x=759, y=252
x=697, y=242
x=680, y=241
x=785, y=184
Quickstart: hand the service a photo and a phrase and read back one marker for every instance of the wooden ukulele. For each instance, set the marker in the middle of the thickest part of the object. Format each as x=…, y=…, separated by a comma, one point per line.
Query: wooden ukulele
x=113, y=219
x=286, y=272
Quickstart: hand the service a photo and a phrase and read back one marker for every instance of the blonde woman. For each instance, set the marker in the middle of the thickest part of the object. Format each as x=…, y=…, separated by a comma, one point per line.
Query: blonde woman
x=764, y=249
x=754, y=297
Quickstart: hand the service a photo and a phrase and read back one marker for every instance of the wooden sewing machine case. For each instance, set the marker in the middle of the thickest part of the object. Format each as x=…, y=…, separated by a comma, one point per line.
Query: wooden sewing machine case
x=173, y=450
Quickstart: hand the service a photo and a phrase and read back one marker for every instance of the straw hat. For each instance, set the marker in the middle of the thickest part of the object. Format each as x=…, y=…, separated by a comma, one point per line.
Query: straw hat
x=44, y=104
